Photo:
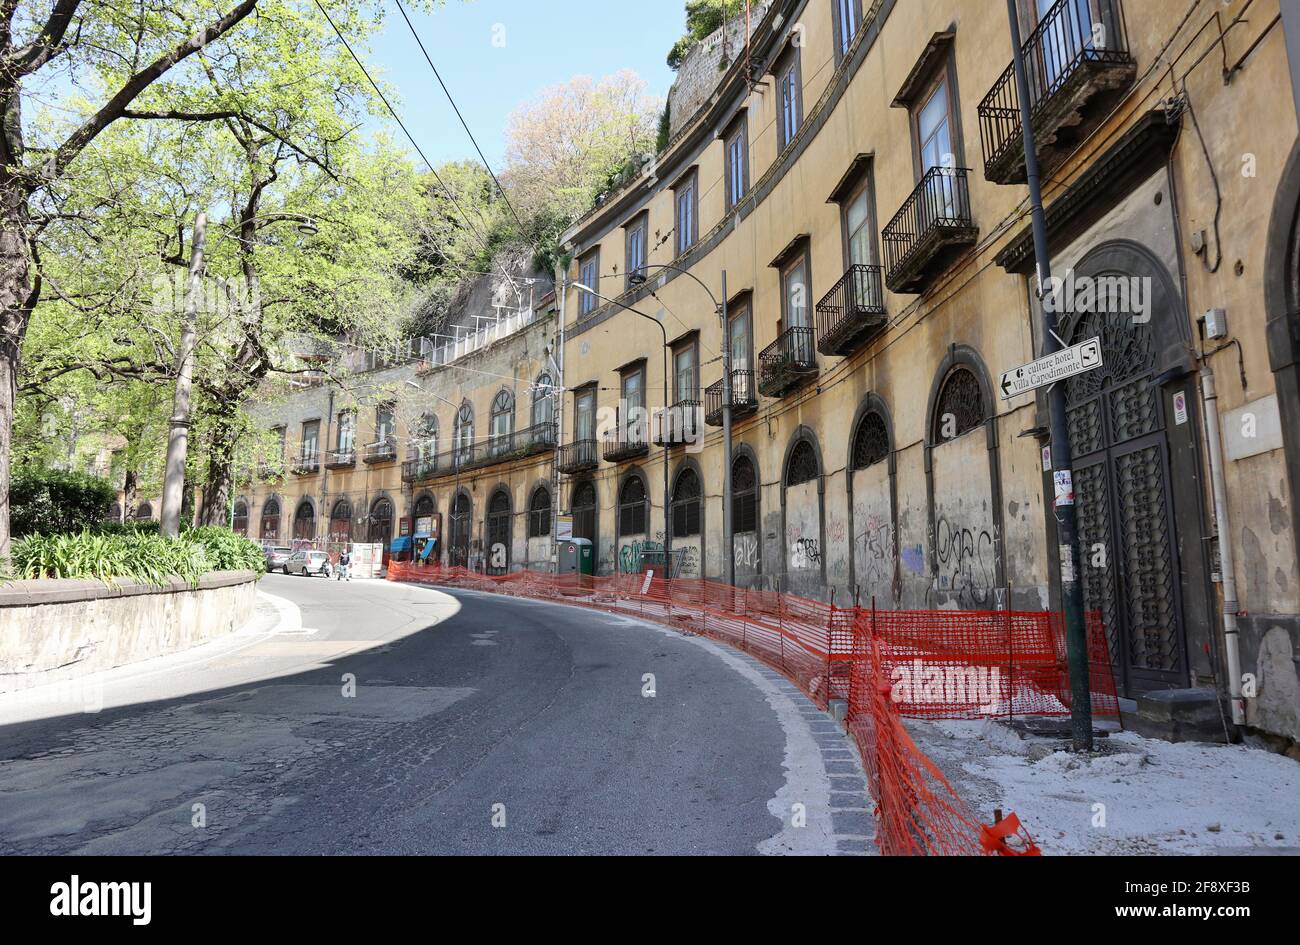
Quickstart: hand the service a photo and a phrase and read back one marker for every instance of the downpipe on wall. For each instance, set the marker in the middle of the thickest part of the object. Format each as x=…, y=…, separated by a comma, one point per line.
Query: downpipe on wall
x=1227, y=572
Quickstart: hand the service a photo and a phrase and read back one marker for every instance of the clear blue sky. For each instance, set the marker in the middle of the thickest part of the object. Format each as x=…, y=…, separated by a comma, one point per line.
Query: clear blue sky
x=544, y=42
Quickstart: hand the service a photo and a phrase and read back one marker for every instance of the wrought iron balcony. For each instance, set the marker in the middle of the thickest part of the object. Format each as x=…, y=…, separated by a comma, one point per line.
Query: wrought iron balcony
x=424, y=468
x=306, y=463
x=744, y=398
x=1078, y=65
x=627, y=442
x=852, y=311
x=340, y=459
x=578, y=456
x=929, y=231
x=678, y=425
x=787, y=362
x=385, y=451
x=507, y=447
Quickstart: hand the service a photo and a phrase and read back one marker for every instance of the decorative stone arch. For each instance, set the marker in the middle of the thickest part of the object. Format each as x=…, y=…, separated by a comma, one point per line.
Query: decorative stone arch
x=1282, y=310
x=801, y=553
x=633, y=473
x=747, y=557
x=688, y=464
x=379, y=528
x=542, y=402
x=341, y=519
x=239, y=520
x=272, y=512
x=966, y=560
x=503, y=409
x=539, y=526
x=873, y=542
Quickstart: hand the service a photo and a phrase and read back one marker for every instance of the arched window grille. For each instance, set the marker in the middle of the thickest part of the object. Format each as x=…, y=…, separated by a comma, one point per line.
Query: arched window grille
x=960, y=407
x=803, y=464
x=632, y=508
x=870, y=441
x=686, y=504
x=744, y=496
x=539, y=513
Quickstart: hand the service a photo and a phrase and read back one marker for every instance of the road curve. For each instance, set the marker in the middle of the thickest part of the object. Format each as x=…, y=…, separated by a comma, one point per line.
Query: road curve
x=400, y=719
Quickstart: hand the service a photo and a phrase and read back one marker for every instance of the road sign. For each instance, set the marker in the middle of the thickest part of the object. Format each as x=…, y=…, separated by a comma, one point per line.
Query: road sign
x=1057, y=366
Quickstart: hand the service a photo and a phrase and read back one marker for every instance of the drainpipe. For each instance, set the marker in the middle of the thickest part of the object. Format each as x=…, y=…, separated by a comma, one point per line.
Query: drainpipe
x=1227, y=570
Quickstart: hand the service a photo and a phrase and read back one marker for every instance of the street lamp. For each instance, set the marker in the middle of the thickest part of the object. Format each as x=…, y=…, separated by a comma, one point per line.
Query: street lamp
x=639, y=278
x=668, y=532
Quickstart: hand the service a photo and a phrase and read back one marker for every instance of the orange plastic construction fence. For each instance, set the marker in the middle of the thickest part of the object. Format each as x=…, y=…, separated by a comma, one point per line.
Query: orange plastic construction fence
x=887, y=666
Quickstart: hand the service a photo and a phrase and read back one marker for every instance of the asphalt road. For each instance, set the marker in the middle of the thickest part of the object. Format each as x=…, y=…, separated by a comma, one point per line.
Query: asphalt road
x=381, y=718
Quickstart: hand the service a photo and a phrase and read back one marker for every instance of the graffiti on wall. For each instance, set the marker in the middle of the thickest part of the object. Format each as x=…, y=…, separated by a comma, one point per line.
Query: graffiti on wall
x=629, y=555
x=805, y=553
x=745, y=550
x=877, y=553
x=965, y=562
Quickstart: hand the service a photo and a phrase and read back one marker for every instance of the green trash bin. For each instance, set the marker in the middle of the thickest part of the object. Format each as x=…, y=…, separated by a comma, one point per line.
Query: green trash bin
x=577, y=556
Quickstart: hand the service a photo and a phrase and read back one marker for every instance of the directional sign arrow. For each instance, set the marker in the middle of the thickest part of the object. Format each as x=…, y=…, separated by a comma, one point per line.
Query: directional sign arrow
x=1057, y=366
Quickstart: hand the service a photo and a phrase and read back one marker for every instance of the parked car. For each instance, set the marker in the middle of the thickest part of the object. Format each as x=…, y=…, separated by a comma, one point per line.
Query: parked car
x=308, y=563
x=277, y=558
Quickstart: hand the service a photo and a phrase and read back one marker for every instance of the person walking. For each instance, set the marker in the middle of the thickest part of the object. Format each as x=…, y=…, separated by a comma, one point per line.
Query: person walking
x=344, y=571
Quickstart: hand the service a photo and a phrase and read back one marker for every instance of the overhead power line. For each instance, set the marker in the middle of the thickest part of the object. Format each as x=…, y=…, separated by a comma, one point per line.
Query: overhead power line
x=504, y=196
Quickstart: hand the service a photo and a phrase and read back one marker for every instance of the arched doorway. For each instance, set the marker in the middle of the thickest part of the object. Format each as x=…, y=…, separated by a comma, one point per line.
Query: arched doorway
x=876, y=574
x=144, y=511
x=381, y=523
x=304, y=521
x=462, y=510
x=688, y=522
x=582, y=505
x=498, y=532
x=424, y=529
x=239, y=521
x=270, y=528
x=340, y=527
x=802, y=507
x=633, y=522
x=746, y=546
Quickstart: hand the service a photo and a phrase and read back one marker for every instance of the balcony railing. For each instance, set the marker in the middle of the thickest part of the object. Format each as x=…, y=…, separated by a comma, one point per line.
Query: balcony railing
x=744, y=398
x=852, y=311
x=578, y=456
x=627, y=442
x=385, y=451
x=538, y=438
x=270, y=471
x=787, y=362
x=678, y=425
x=340, y=459
x=1077, y=65
x=306, y=463
x=929, y=231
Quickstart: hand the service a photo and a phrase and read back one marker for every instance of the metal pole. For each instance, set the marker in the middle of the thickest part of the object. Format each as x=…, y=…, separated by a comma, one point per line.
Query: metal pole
x=178, y=434
x=558, y=394
x=1076, y=639
x=663, y=432
x=728, y=538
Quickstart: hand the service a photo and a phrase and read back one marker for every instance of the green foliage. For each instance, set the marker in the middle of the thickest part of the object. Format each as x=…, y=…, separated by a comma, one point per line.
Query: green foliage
x=47, y=501
x=664, y=134
x=702, y=18
x=106, y=554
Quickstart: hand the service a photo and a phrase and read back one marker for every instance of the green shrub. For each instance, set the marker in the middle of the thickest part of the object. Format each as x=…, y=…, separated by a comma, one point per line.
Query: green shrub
x=47, y=501
x=109, y=554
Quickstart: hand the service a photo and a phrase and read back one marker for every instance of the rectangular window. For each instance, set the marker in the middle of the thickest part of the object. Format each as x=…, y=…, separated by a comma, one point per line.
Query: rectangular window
x=686, y=226
x=933, y=129
x=686, y=384
x=281, y=437
x=741, y=340
x=859, y=229
x=584, y=424
x=789, y=99
x=847, y=19
x=347, y=431
x=385, y=426
x=588, y=275
x=794, y=293
x=636, y=246
x=310, y=439
x=736, y=145
x=632, y=423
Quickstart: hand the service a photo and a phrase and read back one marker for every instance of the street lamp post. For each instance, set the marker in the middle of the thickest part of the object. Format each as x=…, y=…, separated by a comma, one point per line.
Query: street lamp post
x=668, y=532
x=638, y=278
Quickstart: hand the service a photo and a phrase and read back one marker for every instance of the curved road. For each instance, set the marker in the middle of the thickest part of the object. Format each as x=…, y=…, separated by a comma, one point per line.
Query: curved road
x=381, y=718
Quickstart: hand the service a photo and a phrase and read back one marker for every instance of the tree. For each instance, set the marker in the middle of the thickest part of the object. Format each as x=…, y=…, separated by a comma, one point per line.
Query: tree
x=703, y=18
x=180, y=63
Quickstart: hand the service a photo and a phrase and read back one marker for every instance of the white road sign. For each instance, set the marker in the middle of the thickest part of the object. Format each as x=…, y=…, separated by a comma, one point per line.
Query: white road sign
x=1057, y=366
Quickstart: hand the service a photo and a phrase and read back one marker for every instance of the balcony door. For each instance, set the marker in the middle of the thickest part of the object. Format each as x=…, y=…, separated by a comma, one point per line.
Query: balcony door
x=584, y=423
x=934, y=143
x=742, y=355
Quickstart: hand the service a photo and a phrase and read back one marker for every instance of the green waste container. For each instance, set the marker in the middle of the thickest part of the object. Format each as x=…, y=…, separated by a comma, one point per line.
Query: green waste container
x=577, y=556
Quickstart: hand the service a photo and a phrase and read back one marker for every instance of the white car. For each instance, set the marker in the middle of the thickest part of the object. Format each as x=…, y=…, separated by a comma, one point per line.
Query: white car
x=309, y=563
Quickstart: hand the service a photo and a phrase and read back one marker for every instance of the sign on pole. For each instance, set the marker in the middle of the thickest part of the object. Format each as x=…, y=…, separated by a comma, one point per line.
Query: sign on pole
x=1056, y=366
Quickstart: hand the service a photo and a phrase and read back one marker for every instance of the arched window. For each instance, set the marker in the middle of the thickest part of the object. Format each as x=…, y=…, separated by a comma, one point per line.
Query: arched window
x=464, y=432
x=271, y=520
x=686, y=504
x=115, y=512
x=340, y=528
x=870, y=441
x=503, y=420
x=424, y=445
x=423, y=506
x=543, y=401
x=239, y=522
x=498, y=532
x=304, y=521
x=960, y=407
x=632, y=513
x=583, y=507
x=381, y=521
x=744, y=496
x=144, y=510
x=539, y=513
x=803, y=464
